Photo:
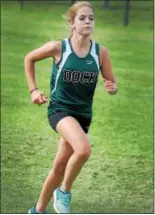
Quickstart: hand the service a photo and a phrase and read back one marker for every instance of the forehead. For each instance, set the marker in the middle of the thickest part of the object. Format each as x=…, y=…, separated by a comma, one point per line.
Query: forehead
x=86, y=11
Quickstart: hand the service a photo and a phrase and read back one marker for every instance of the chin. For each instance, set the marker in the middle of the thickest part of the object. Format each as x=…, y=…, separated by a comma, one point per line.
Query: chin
x=87, y=33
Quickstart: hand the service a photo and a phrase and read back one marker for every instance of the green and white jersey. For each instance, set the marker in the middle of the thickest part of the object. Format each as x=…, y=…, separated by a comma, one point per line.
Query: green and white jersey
x=74, y=80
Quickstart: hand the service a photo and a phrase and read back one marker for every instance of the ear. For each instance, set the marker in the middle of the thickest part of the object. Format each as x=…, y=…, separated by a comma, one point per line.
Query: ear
x=71, y=25
x=71, y=22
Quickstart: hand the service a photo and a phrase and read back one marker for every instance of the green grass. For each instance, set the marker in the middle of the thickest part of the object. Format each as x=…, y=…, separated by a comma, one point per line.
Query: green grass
x=118, y=178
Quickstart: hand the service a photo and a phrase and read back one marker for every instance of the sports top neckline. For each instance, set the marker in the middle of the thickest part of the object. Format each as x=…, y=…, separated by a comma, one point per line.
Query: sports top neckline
x=69, y=40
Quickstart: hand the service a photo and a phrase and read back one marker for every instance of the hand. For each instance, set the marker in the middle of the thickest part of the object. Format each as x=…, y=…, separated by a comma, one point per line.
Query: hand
x=38, y=97
x=110, y=87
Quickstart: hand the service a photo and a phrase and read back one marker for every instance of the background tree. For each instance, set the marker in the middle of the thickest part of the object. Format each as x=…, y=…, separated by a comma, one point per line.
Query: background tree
x=126, y=14
x=106, y=4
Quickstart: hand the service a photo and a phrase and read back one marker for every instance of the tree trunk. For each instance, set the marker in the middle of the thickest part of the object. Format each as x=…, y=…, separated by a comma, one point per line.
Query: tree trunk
x=126, y=15
x=106, y=4
x=21, y=4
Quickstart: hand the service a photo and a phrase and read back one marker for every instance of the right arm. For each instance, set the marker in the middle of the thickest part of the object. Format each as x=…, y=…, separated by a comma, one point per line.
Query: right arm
x=50, y=49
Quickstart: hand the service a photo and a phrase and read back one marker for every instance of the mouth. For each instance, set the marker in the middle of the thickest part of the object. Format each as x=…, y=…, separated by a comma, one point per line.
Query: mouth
x=88, y=27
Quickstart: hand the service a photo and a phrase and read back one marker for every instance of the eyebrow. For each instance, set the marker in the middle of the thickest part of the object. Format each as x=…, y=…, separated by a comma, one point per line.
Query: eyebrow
x=86, y=15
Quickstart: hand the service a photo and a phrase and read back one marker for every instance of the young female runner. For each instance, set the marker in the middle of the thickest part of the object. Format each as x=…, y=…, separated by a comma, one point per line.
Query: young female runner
x=77, y=63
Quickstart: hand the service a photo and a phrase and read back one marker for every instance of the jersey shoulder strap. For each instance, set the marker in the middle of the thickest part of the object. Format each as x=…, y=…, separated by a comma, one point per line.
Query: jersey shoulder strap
x=98, y=53
x=65, y=51
x=65, y=46
x=97, y=48
x=95, y=52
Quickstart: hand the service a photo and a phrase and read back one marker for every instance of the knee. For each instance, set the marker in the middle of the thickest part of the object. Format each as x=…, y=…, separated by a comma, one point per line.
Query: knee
x=84, y=153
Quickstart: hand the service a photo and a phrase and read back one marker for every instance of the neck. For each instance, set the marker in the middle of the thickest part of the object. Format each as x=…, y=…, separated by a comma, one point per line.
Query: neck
x=80, y=41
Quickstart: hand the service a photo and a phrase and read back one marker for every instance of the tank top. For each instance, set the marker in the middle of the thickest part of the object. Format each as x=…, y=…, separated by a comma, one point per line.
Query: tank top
x=73, y=81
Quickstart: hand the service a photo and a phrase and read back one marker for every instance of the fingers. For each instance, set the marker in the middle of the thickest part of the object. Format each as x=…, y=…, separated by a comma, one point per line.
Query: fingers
x=38, y=101
x=109, y=84
x=39, y=98
x=110, y=87
x=42, y=99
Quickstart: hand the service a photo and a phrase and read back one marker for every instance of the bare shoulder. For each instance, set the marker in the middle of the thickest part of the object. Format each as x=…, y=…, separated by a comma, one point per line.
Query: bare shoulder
x=53, y=45
x=48, y=49
x=103, y=54
x=104, y=51
x=56, y=44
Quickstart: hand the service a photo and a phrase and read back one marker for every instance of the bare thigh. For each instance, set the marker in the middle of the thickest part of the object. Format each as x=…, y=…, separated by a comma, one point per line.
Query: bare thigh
x=71, y=131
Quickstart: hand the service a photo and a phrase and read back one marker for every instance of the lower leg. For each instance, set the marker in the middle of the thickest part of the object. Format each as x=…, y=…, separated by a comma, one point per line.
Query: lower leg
x=73, y=168
x=52, y=181
x=55, y=176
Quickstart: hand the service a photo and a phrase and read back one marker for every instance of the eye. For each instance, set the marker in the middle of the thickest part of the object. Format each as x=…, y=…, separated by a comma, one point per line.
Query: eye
x=91, y=18
x=82, y=18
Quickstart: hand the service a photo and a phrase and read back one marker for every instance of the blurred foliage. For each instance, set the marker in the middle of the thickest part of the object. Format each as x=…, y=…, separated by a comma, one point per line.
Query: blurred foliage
x=113, y=4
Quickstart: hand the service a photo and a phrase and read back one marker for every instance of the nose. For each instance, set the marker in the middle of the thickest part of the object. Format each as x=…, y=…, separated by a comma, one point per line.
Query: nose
x=87, y=20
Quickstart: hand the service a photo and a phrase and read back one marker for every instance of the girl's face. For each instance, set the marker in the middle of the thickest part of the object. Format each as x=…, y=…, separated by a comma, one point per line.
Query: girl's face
x=84, y=21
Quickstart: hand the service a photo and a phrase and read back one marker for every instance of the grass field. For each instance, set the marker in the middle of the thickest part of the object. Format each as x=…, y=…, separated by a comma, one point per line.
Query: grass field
x=118, y=178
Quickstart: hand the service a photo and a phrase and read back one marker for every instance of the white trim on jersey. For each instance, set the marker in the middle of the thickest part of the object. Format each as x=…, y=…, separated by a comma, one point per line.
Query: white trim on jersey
x=94, y=55
x=64, y=58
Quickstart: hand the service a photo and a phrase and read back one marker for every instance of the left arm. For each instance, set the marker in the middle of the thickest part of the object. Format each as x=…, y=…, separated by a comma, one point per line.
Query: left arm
x=106, y=71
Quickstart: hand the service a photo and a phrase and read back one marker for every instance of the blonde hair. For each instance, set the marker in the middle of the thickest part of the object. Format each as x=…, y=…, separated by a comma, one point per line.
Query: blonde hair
x=73, y=10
